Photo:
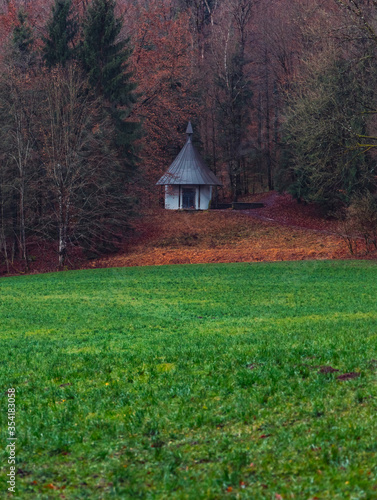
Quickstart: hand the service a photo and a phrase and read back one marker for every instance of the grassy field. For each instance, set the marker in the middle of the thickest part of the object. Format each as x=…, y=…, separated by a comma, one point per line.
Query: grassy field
x=207, y=381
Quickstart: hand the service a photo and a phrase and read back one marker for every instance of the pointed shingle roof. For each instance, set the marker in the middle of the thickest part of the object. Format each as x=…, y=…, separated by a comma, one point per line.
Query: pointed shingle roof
x=189, y=167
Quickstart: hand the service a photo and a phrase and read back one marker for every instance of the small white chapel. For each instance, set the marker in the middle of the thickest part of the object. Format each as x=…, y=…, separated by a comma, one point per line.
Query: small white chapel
x=188, y=181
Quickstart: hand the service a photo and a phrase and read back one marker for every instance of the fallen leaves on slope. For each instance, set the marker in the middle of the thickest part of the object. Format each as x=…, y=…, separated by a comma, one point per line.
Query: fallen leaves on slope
x=220, y=236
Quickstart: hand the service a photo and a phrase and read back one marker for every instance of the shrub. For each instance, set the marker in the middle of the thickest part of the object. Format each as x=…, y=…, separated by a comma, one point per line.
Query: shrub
x=359, y=223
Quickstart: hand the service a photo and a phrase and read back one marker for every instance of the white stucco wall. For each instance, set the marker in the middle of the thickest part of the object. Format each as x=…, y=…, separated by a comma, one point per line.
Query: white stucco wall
x=173, y=201
x=171, y=197
x=205, y=196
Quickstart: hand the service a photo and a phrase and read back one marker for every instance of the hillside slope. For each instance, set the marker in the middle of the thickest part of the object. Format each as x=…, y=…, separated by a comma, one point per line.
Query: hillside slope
x=282, y=230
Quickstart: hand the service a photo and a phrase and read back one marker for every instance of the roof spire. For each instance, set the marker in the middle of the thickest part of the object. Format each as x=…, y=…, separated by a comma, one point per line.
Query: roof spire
x=189, y=130
x=189, y=168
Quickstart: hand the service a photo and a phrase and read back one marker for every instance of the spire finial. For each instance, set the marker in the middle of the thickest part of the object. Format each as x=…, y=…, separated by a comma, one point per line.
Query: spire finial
x=189, y=130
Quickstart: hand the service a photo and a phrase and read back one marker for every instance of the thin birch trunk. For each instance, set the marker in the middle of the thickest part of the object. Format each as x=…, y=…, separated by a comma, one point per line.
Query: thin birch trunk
x=62, y=232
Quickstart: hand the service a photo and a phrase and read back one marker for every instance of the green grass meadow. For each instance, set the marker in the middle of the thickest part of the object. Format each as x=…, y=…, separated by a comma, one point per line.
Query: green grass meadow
x=192, y=382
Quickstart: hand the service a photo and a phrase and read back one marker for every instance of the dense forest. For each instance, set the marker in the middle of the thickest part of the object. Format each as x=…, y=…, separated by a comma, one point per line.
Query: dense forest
x=95, y=96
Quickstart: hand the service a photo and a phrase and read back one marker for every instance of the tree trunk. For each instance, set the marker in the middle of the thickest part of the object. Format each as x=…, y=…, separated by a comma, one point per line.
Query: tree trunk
x=276, y=125
x=3, y=235
x=23, y=252
x=268, y=128
x=259, y=139
x=62, y=233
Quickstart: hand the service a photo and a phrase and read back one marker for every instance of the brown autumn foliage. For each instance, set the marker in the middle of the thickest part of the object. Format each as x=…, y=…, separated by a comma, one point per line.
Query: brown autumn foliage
x=162, y=61
x=282, y=230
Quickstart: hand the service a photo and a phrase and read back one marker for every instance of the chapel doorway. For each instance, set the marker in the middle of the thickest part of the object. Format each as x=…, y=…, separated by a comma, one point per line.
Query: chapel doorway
x=188, y=198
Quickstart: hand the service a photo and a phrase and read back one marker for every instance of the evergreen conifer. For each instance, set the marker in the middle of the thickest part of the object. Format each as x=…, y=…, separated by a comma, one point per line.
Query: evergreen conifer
x=61, y=29
x=104, y=58
x=22, y=38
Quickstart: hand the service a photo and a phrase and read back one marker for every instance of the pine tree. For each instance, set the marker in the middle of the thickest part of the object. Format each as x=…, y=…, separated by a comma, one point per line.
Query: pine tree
x=22, y=55
x=23, y=39
x=104, y=58
x=62, y=30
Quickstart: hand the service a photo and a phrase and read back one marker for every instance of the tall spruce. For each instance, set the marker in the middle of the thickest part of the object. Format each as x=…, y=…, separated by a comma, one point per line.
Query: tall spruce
x=22, y=55
x=104, y=57
x=22, y=38
x=61, y=32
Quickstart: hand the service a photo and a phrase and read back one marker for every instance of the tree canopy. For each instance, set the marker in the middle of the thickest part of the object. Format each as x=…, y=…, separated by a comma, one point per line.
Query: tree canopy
x=61, y=32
